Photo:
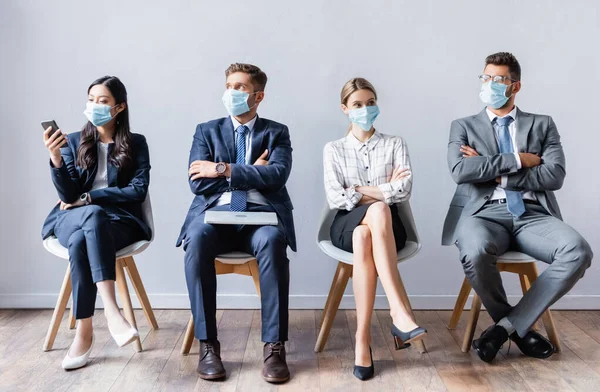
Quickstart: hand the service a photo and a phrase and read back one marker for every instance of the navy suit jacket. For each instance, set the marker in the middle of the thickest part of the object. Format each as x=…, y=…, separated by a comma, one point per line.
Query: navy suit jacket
x=215, y=141
x=125, y=193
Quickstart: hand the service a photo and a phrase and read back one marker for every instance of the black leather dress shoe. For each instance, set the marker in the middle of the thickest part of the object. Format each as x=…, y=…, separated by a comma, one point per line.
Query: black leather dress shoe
x=210, y=366
x=275, y=368
x=490, y=342
x=534, y=345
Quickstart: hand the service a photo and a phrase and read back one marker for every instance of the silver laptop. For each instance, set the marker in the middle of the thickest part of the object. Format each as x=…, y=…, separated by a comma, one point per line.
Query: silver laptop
x=240, y=218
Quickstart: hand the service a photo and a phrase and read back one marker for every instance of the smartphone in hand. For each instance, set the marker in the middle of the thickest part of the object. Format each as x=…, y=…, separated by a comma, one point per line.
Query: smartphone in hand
x=52, y=123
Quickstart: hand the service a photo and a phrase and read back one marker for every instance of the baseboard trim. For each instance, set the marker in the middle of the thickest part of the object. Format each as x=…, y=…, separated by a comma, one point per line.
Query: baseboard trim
x=249, y=301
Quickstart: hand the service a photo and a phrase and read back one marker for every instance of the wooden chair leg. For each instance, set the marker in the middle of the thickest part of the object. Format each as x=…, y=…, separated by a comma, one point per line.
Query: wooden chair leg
x=59, y=310
x=463, y=296
x=253, y=266
x=140, y=291
x=532, y=275
x=72, y=320
x=126, y=300
x=419, y=344
x=472, y=323
x=188, y=339
x=340, y=280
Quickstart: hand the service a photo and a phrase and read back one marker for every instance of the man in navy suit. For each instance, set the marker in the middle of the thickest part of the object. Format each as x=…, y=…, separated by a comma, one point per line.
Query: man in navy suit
x=240, y=163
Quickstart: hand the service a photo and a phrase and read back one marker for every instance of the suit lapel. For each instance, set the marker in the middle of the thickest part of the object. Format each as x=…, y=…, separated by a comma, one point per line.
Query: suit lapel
x=228, y=135
x=111, y=171
x=487, y=132
x=258, y=134
x=524, y=125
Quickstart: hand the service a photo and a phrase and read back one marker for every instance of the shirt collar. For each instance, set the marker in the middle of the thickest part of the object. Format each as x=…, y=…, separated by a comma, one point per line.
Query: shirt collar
x=249, y=124
x=492, y=116
x=369, y=144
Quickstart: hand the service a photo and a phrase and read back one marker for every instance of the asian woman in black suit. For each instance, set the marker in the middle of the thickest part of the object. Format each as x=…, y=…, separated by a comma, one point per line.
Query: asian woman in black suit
x=101, y=175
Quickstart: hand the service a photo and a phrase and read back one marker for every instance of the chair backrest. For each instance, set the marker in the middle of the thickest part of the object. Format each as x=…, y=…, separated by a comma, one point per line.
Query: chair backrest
x=404, y=212
x=147, y=215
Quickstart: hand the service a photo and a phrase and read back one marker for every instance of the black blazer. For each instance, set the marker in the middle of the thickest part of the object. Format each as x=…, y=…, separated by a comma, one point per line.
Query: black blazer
x=124, y=195
x=215, y=141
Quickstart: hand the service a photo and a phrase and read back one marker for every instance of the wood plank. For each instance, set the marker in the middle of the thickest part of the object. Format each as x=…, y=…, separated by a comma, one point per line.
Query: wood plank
x=578, y=341
x=301, y=357
x=386, y=376
x=179, y=373
x=144, y=367
x=416, y=371
x=500, y=375
x=588, y=321
x=536, y=374
x=336, y=361
x=455, y=368
x=6, y=315
x=234, y=329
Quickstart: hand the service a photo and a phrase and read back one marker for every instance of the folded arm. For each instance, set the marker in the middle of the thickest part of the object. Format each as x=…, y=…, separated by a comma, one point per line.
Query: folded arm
x=475, y=169
x=201, y=152
x=338, y=197
x=400, y=185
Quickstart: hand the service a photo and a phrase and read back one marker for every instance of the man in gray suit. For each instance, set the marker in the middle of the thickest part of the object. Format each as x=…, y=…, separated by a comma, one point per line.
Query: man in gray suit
x=507, y=163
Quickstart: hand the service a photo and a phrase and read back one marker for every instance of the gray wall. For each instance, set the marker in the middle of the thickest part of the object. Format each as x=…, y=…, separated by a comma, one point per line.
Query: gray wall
x=422, y=56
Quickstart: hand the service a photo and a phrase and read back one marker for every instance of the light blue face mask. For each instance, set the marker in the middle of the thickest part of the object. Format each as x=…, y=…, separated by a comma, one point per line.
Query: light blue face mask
x=364, y=117
x=236, y=102
x=97, y=113
x=493, y=94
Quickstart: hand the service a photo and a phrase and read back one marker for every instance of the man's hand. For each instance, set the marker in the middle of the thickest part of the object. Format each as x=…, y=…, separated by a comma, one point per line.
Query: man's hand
x=66, y=206
x=468, y=152
x=261, y=161
x=203, y=169
x=529, y=160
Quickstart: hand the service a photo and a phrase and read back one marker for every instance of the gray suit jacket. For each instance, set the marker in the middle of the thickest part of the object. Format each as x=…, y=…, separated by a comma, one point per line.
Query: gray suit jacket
x=476, y=176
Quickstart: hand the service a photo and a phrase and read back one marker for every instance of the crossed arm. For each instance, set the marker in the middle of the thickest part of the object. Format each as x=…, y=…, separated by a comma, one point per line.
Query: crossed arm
x=545, y=173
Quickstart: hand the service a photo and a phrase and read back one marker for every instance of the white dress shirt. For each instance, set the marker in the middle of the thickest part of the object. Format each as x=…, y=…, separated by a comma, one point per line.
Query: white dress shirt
x=254, y=196
x=348, y=162
x=499, y=192
x=101, y=179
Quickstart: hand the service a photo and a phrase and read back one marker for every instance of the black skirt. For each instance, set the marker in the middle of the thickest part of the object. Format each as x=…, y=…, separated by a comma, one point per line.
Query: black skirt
x=345, y=222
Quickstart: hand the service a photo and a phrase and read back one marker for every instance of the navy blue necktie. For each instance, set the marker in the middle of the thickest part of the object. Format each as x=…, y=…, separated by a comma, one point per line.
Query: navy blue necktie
x=239, y=198
x=514, y=200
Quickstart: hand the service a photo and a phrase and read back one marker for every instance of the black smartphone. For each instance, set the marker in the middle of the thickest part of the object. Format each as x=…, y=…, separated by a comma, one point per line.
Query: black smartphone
x=52, y=123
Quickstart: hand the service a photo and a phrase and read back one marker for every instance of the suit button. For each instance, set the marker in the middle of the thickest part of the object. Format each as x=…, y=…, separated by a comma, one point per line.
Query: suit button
x=206, y=205
x=485, y=198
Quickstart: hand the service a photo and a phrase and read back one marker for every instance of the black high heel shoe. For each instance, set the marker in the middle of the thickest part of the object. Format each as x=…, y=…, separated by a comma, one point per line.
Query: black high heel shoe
x=364, y=373
x=403, y=339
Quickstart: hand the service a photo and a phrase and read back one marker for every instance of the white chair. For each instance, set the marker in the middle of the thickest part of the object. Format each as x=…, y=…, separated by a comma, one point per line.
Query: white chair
x=229, y=263
x=344, y=267
x=124, y=261
x=515, y=262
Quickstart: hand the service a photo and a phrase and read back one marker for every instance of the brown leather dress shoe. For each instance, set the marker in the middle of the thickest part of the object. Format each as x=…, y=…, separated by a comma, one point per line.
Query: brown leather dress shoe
x=210, y=366
x=275, y=368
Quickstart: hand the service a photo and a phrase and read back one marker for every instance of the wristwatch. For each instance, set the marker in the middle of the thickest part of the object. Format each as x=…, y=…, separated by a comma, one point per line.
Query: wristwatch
x=85, y=198
x=221, y=168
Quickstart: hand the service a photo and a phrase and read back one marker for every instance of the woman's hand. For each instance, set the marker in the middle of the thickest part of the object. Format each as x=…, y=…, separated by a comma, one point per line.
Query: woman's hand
x=53, y=144
x=399, y=174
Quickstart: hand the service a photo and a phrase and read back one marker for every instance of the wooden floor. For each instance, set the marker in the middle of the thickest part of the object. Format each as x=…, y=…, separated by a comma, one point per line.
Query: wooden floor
x=160, y=367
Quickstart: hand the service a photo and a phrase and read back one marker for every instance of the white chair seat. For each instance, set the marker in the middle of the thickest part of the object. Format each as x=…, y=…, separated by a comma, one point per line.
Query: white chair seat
x=235, y=258
x=53, y=246
x=410, y=249
x=515, y=257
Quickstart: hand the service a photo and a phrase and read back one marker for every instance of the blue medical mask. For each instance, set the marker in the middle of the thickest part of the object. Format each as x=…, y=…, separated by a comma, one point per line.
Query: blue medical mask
x=236, y=102
x=493, y=94
x=98, y=114
x=364, y=117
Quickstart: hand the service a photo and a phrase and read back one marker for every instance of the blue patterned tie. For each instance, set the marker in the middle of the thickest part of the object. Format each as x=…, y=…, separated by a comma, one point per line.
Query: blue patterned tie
x=239, y=198
x=514, y=200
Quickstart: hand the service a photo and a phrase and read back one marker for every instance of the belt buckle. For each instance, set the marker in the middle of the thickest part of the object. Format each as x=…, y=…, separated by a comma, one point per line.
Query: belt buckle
x=501, y=201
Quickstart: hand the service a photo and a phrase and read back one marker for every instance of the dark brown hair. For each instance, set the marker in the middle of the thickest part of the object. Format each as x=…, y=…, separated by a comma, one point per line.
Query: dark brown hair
x=508, y=59
x=257, y=76
x=121, y=155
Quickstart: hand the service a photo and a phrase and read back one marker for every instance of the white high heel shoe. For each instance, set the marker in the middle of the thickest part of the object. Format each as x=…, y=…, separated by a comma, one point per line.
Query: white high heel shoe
x=126, y=338
x=70, y=363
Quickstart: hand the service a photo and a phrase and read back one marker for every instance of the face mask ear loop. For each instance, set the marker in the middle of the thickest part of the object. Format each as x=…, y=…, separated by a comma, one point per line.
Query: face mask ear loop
x=507, y=89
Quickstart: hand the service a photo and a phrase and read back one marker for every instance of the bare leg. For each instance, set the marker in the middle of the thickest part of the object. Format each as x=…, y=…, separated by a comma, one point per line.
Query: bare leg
x=117, y=324
x=364, y=282
x=379, y=221
x=83, y=338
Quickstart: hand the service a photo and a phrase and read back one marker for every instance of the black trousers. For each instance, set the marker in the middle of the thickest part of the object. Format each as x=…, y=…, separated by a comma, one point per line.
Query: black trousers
x=93, y=236
x=204, y=242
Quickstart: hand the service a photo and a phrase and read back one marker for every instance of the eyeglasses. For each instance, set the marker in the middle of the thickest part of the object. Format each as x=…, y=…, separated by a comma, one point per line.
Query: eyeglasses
x=497, y=78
